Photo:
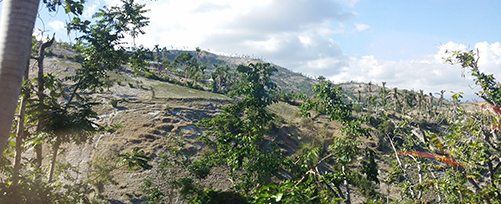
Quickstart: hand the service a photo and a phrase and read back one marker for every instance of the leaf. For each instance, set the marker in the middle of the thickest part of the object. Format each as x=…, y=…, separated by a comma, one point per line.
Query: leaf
x=278, y=196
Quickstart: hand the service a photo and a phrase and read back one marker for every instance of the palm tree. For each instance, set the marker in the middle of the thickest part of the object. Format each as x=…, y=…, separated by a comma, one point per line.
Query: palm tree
x=18, y=20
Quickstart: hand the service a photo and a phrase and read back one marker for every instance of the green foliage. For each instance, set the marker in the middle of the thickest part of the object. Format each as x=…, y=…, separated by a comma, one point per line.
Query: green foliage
x=66, y=110
x=221, y=79
x=137, y=60
x=100, y=50
x=237, y=134
x=191, y=69
x=183, y=58
x=32, y=189
x=462, y=163
x=288, y=97
x=328, y=100
x=344, y=150
x=136, y=159
x=491, y=90
x=153, y=192
x=369, y=166
x=130, y=18
x=236, y=140
x=195, y=195
x=71, y=121
x=289, y=192
x=466, y=167
x=469, y=142
x=100, y=172
x=75, y=7
x=472, y=140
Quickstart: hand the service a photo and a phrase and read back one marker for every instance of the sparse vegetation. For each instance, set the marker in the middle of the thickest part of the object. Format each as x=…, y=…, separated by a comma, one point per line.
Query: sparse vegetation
x=193, y=127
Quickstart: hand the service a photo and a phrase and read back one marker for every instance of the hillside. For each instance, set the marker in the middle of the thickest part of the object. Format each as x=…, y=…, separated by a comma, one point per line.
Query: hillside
x=114, y=116
x=155, y=124
x=153, y=119
x=154, y=115
x=285, y=79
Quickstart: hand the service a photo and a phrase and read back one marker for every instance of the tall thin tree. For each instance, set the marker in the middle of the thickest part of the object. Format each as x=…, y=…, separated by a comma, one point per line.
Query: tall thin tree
x=18, y=20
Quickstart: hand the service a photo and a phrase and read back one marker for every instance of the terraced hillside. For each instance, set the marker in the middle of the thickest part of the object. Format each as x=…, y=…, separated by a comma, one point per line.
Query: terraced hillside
x=153, y=146
x=158, y=123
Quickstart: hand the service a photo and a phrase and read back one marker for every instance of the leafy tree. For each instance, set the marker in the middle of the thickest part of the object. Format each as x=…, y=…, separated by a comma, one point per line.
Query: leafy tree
x=491, y=90
x=137, y=61
x=18, y=27
x=237, y=139
x=99, y=55
x=221, y=79
x=469, y=150
x=328, y=100
x=239, y=130
x=131, y=19
x=64, y=107
x=472, y=139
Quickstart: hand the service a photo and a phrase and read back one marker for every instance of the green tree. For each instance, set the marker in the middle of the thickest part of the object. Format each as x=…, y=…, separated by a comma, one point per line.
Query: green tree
x=17, y=31
x=328, y=100
x=472, y=140
x=100, y=51
x=131, y=19
x=137, y=61
x=221, y=79
x=239, y=130
x=491, y=89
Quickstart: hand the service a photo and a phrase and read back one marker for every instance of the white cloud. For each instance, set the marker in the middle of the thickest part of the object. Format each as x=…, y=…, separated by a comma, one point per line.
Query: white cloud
x=441, y=55
x=361, y=27
x=490, y=56
x=430, y=73
x=90, y=9
x=350, y=3
x=56, y=25
x=305, y=40
x=249, y=27
x=38, y=34
x=300, y=35
x=111, y=2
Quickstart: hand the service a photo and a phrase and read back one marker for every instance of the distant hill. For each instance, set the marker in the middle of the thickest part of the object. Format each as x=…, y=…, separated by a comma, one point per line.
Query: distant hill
x=285, y=79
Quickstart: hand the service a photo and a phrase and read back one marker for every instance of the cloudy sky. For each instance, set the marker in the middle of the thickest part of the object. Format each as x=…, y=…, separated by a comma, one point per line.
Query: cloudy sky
x=398, y=42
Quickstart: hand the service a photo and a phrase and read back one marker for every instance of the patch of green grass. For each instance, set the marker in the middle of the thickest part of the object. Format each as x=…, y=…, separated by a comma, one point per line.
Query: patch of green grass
x=167, y=90
x=284, y=110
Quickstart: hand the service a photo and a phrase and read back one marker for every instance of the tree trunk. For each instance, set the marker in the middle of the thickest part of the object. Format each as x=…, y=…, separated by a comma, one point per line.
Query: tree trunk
x=73, y=94
x=54, y=159
x=41, y=96
x=347, y=186
x=17, y=21
x=402, y=167
x=20, y=133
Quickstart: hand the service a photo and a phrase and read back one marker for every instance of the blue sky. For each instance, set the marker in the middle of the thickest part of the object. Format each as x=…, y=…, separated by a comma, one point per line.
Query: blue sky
x=400, y=42
x=417, y=27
